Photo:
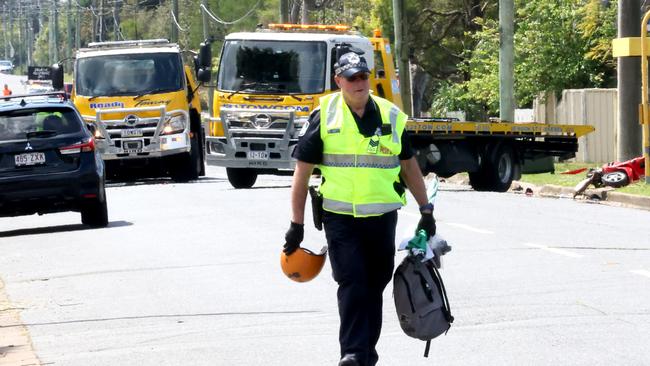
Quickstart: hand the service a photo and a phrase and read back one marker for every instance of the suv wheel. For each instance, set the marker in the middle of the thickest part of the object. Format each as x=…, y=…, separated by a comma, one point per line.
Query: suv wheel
x=95, y=213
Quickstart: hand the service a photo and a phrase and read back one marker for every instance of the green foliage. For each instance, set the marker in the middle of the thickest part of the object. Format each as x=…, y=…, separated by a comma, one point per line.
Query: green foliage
x=558, y=45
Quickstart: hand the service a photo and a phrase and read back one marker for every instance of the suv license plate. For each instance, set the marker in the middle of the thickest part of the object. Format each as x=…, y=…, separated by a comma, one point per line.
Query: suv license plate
x=131, y=132
x=36, y=158
x=132, y=146
x=258, y=155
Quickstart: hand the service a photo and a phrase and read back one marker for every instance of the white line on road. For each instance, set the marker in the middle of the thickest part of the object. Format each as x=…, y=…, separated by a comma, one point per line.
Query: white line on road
x=554, y=250
x=470, y=228
x=641, y=272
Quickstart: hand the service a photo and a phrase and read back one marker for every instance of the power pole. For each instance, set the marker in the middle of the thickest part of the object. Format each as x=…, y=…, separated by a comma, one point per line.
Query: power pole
x=77, y=30
x=102, y=33
x=206, y=25
x=4, y=29
x=116, y=26
x=206, y=35
x=50, y=32
x=402, y=48
x=69, y=34
x=55, y=28
x=284, y=11
x=628, y=144
x=174, y=36
x=506, y=60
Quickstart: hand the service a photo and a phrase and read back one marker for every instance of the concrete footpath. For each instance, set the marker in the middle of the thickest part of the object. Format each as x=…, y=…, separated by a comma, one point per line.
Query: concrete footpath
x=606, y=195
x=15, y=343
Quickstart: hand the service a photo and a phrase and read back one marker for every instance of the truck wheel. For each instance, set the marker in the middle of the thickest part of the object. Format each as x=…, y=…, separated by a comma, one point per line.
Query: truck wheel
x=241, y=177
x=95, y=212
x=497, y=172
x=616, y=179
x=202, y=153
x=187, y=166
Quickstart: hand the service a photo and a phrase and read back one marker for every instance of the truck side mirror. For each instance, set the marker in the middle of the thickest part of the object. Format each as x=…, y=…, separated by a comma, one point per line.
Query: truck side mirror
x=197, y=64
x=204, y=75
x=205, y=55
x=56, y=72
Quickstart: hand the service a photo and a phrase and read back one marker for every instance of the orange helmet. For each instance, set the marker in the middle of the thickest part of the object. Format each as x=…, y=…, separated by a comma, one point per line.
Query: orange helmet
x=303, y=265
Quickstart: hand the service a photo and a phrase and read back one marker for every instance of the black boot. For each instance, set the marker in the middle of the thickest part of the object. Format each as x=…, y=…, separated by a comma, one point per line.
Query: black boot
x=349, y=360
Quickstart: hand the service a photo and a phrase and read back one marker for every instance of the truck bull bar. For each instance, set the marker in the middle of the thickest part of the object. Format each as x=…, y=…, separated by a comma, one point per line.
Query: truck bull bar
x=253, y=138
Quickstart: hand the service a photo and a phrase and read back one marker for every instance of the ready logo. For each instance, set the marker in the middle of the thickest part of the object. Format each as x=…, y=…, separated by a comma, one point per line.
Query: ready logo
x=299, y=108
x=107, y=105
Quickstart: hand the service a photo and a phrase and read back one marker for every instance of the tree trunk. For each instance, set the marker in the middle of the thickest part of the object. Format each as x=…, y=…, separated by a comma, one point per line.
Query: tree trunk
x=307, y=7
x=295, y=11
x=421, y=80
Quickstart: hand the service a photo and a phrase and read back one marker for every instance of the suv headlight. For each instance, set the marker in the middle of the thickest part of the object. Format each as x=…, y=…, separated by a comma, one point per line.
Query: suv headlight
x=174, y=124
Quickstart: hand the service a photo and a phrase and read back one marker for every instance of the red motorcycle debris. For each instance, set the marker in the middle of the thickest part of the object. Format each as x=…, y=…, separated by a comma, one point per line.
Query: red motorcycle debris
x=615, y=174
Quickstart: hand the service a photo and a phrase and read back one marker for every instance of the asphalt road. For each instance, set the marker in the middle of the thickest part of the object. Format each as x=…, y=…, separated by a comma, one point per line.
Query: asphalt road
x=188, y=274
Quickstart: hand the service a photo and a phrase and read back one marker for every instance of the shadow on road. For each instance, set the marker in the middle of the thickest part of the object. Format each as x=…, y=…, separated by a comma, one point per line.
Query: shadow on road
x=158, y=181
x=58, y=229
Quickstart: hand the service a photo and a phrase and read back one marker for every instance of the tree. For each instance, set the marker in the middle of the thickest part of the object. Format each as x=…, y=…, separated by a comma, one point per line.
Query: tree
x=558, y=45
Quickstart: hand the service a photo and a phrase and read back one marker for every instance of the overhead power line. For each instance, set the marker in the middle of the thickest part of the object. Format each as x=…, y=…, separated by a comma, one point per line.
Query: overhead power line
x=176, y=22
x=219, y=20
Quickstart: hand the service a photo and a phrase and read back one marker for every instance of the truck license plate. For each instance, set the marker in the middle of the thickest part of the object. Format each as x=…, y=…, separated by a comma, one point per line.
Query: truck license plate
x=134, y=146
x=132, y=132
x=36, y=158
x=258, y=155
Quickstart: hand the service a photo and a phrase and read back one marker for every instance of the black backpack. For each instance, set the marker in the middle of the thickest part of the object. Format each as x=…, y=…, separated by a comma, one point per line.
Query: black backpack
x=421, y=300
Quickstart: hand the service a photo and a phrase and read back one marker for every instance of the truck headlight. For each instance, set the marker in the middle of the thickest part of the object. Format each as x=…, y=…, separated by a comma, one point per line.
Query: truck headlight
x=175, y=124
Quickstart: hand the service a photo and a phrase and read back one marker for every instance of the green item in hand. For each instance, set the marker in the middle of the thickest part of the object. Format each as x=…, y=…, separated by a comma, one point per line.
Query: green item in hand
x=418, y=245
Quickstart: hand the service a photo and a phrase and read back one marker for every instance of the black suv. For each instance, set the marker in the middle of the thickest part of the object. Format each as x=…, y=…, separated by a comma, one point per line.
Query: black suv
x=48, y=160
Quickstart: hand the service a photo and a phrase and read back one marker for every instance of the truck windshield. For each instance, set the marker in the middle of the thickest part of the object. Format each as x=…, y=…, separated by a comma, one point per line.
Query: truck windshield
x=272, y=67
x=129, y=74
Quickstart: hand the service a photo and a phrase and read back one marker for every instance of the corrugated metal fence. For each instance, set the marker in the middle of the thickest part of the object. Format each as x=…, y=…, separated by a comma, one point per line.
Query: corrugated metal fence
x=596, y=107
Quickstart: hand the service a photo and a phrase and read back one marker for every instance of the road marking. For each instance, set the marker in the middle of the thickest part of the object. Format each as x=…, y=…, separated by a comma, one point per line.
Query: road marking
x=460, y=226
x=641, y=272
x=470, y=228
x=554, y=250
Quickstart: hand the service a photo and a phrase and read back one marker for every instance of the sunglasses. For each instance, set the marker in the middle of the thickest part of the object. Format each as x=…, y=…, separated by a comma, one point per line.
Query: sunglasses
x=359, y=76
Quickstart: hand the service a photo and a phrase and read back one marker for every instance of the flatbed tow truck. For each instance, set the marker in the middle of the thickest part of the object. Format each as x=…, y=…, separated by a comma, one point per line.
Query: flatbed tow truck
x=271, y=80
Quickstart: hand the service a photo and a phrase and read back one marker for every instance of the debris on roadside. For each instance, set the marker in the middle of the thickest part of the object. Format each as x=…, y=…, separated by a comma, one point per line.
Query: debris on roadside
x=614, y=174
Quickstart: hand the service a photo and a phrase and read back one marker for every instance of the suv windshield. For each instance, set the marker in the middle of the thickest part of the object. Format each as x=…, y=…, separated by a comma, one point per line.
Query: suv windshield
x=23, y=123
x=130, y=74
x=273, y=67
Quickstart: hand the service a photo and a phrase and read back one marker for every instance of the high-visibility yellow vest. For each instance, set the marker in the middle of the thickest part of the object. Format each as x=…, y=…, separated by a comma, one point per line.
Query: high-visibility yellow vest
x=360, y=172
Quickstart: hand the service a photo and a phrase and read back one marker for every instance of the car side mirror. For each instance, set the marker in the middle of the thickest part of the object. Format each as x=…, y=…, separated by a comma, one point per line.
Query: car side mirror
x=204, y=75
x=205, y=55
x=56, y=72
x=381, y=74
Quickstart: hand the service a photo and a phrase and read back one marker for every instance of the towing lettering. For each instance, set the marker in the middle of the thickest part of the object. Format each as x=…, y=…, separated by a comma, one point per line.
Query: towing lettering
x=152, y=102
x=268, y=106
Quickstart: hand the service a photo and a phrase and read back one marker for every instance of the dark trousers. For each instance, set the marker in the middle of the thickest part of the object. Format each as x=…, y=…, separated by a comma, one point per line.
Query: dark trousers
x=362, y=254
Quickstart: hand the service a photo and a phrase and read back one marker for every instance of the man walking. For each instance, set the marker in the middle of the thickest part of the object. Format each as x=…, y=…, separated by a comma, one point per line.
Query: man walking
x=6, y=91
x=359, y=144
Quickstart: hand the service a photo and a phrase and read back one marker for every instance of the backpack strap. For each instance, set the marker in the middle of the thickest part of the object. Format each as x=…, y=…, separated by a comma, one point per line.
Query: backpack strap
x=443, y=293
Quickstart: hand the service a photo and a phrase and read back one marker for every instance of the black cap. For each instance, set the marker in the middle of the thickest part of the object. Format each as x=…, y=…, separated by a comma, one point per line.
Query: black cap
x=350, y=64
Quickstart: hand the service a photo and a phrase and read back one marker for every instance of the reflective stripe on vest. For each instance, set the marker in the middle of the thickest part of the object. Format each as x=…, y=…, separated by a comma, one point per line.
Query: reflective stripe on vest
x=362, y=209
x=362, y=161
x=332, y=109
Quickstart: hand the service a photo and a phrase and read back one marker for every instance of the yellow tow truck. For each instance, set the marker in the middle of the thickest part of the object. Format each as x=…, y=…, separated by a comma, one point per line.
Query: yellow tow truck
x=142, y=101
x=269, y=81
